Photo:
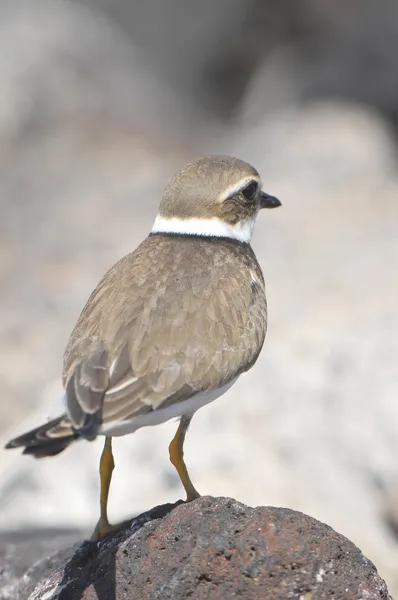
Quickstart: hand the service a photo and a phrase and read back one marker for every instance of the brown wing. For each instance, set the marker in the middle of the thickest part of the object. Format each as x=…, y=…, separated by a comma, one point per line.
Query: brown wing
x=177, y=316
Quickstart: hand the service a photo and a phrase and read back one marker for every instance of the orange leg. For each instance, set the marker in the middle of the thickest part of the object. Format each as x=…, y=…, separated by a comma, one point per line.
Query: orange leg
x=107, y=465
x=176, y=450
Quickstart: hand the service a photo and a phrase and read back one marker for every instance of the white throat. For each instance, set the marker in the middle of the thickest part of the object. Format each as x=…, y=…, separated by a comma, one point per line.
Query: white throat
x=208, y=227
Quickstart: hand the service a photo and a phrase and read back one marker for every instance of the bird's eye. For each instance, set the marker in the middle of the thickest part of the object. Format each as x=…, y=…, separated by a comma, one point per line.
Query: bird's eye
x=250, y=191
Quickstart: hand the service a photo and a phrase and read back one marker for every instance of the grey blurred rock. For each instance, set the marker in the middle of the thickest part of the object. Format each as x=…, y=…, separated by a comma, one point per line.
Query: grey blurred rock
x=213, y=548
x=348, y=50
x=212, y=50
x=20, y=550
x=206, y=49
x=64, y=63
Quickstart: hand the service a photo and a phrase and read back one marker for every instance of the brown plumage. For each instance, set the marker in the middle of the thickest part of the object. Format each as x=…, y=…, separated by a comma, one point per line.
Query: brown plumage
x=171, y=325
x=179, y=315
x=184, y=198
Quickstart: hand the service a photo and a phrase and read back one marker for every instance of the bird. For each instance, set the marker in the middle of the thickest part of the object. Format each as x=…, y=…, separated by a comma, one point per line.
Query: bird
x=171, y=326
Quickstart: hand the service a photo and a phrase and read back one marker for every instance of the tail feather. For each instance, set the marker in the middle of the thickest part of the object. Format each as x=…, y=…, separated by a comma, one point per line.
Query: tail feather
x=47, y=440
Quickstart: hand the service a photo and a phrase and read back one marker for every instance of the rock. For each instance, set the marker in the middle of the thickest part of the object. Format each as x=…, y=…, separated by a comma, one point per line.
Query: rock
x=309, y=49
x=69, y=65
x=222, y=41
x=213, y=548
x=20, y=549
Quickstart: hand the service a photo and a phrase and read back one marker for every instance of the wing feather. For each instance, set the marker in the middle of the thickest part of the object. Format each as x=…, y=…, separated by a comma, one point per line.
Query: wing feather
x=150, y=335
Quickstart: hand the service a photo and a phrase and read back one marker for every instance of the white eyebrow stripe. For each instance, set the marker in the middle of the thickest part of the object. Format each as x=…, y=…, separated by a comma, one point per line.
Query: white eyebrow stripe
x=237, y=187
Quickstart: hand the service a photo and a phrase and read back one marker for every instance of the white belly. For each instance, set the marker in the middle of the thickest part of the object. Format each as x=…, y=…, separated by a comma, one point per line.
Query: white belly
x=187, y=407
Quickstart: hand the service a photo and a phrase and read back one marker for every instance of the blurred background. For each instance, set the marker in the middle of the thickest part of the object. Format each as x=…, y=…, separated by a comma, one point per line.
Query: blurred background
x=100, y=101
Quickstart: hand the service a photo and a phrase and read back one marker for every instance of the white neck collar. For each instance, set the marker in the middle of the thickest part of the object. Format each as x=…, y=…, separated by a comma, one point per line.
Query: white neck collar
x=207, y=227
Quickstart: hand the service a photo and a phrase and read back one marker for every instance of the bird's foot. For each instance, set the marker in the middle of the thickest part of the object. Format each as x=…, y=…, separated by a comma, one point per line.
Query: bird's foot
x=192, y=494
x=102, y=529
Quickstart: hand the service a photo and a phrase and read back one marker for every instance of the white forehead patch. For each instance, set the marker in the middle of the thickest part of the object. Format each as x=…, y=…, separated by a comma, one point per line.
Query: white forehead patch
x=238, y=187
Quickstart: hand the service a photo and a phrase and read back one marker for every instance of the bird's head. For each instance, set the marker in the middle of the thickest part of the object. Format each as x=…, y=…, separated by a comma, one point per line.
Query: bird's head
x=217, y=196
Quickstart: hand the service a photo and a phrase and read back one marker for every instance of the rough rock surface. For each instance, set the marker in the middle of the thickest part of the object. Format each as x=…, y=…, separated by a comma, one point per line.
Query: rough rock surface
x=19, y=550
x=214, y=548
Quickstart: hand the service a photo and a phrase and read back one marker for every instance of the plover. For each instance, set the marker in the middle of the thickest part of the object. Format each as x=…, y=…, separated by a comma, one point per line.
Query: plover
x=171, y=326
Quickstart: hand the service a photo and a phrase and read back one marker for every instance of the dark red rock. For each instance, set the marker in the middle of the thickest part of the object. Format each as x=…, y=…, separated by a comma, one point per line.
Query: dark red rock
x=213, y=549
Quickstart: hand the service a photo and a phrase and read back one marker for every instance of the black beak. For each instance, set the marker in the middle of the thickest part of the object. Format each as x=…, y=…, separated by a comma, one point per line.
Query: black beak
x=267, y=201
